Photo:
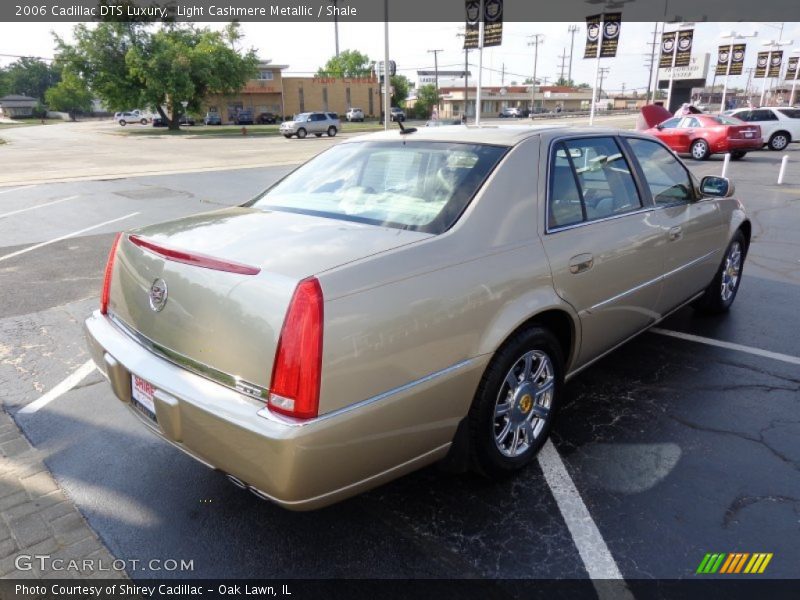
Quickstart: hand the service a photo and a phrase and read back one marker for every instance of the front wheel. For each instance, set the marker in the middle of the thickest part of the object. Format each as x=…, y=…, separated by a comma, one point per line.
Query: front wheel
x=514, y=405
x=331, y=131
x=700, y=150
x=143, y=121
x=721, y=293
x=301, y=133
x=123, y=123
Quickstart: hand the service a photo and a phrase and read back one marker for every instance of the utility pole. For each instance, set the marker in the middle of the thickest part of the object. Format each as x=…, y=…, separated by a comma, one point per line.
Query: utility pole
x=503, y=75
x=571, y=30
x=603, y=72
x=652, y=96
x=466, y=76
x=335, y=23
x=436, y=75
x=537, y=39
x=750, y=71
x=563, y=65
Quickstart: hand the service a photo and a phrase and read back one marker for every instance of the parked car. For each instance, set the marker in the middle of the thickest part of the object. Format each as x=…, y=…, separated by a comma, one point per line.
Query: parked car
x=354, y=114
x=134, y=116
x=397, y=114
x=701, y=135
x=186, y=120
x=443, y=122
x=510, y=112
x=212, y=118
x=779, y=125
x=311, y=122
x=159, y=122
x=244, y=117
x=267, y=118
x=183, y=120
x=406, y=298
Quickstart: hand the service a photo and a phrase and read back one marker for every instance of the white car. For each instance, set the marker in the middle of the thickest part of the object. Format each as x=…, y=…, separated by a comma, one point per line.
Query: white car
x=354, y=114
x=134, y=116
x=780, y=125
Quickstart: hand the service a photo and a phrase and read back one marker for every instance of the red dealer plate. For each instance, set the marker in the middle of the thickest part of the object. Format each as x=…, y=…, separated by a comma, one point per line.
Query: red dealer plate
x=142, y=393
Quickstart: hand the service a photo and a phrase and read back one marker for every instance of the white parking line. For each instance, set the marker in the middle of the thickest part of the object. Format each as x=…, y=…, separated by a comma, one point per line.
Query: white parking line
x=787, y=358
x=16, y=189
x=64, y=237
x=22, y=210
x=596, y=557
x=62, y=388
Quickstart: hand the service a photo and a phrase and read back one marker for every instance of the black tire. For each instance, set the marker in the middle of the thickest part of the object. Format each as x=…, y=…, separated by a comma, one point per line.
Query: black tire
x=143, y=121
x=738, y=154
x=331, y=131
x=122, y=122
x=301, y=133
x=700, y=150
x=714, y=300
x=525, y=405
x=779, y=141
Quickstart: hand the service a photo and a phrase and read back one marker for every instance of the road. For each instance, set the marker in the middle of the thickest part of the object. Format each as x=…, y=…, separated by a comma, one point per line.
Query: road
x=676, y=446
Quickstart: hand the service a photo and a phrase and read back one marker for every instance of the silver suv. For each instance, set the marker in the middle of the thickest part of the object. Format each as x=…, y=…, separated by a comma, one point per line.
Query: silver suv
x=311, y=122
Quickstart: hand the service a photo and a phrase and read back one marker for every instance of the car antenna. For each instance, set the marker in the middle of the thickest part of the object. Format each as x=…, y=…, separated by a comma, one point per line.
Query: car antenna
x=403, y=130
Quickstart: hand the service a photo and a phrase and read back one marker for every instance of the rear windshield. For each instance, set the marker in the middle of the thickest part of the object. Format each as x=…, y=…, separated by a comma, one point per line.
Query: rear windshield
x=421, y=186
x=723, y=120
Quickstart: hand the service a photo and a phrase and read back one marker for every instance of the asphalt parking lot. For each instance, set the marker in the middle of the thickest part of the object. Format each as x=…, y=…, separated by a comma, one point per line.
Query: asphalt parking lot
x=682, y=442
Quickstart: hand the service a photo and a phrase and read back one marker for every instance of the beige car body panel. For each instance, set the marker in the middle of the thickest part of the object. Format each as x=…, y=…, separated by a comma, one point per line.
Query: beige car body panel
x=411, y=321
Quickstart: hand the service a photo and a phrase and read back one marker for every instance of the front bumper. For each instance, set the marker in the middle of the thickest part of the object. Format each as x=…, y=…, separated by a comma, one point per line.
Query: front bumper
x=298, y=465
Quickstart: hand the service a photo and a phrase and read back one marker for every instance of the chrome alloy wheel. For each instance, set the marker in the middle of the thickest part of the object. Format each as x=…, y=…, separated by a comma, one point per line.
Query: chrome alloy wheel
x=731, y=271
x=699, y=150
x=522, y=408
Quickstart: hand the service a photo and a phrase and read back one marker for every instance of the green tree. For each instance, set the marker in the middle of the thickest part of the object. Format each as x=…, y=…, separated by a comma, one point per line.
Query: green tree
x=4, y=87
x=426, y=100
x=401, y=86
x=31, y=77
x=350, y=63
x=70, y=95
x=129, y=65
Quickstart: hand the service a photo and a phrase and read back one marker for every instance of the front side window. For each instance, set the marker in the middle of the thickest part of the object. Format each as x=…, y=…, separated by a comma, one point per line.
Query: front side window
x=691, y=122
x=590, y=180
x=421, y=186
x=668, y=180
x=671, y=123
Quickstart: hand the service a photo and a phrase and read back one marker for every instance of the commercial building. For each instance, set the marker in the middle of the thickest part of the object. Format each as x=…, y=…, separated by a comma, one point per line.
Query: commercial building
x=495, y=98
x=273, y=92
x=17, y=106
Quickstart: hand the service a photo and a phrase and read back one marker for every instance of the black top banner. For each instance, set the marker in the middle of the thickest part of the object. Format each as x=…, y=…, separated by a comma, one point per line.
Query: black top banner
x=612, y=23
x=775, y=63
x=723, y=59
x=493, y=23
x=791, y=68
x=737, y=60
x=668, y=41
x=472, y=27
x=592, y=36
x=684, y=54
x=373, y=11
x=774, y=58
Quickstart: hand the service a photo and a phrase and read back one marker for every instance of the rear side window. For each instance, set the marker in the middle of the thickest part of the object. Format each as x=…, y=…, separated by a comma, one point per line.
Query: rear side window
x=760, y=115
x=792, y=113
x=590, y=179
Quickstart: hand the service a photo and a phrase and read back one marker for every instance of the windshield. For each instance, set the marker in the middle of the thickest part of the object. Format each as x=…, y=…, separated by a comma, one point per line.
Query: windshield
x=422, y=186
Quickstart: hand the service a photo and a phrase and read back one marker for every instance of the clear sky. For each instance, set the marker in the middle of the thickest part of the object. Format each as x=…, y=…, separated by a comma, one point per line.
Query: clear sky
x=305, y=47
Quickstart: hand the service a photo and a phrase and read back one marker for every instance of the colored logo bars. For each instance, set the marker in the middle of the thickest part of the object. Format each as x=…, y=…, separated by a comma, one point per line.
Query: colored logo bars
x=603, y=30
x=734, y=563
x=730, y=60
x=492, y=20
x=775, y=58
x=683, y=56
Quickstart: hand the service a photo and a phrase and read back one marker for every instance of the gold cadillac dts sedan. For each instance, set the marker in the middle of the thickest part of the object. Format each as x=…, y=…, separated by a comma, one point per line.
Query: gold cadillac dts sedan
x=407, y=297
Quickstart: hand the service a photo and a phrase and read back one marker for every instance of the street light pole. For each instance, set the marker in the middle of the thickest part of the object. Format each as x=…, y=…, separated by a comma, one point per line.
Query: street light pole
x=386, y=76
x=794, y=80
x=480, y=66
x=596, y=69
x=535, y=43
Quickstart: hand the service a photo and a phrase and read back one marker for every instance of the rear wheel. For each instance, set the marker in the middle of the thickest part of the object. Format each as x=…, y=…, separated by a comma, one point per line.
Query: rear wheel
x=738, y=154
x=514, y=405
x=779, y=140
x=301, y=133
x=331, y=131
x=700, y=150
x=721, y=293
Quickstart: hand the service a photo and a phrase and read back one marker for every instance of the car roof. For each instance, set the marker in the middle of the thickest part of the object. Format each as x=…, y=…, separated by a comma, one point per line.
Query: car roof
x=497, y=135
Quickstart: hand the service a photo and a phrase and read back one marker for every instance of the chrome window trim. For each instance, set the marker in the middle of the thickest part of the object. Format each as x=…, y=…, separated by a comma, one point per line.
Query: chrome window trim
x=268, y=414
x=233, y=382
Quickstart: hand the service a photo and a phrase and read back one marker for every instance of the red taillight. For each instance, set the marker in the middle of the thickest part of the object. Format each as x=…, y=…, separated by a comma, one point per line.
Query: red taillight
x=107, y=275
x=294, y=390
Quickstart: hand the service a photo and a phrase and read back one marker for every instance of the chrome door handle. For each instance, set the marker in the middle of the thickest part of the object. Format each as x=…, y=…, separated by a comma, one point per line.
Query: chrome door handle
x=675, y=233
x=581, y=263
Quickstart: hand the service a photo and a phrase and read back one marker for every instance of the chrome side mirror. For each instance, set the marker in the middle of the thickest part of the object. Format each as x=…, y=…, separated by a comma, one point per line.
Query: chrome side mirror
x=720, y=187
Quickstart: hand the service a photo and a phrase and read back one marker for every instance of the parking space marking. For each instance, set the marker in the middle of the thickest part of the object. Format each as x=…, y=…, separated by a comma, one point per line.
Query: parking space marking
x=64, y=237
x=17, y=189
x=62, y=388
x=787, y=358
x=22, y=210
x=594, y=552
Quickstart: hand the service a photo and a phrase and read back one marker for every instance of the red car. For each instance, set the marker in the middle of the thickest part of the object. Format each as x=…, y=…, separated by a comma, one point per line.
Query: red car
x=700, y=135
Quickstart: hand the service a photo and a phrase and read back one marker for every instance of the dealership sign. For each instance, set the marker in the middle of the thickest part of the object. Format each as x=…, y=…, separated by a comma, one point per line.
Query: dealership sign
x=774, y=58
x=603, y=31
x=696, y=69
x=730, y=59
x=492, y=23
